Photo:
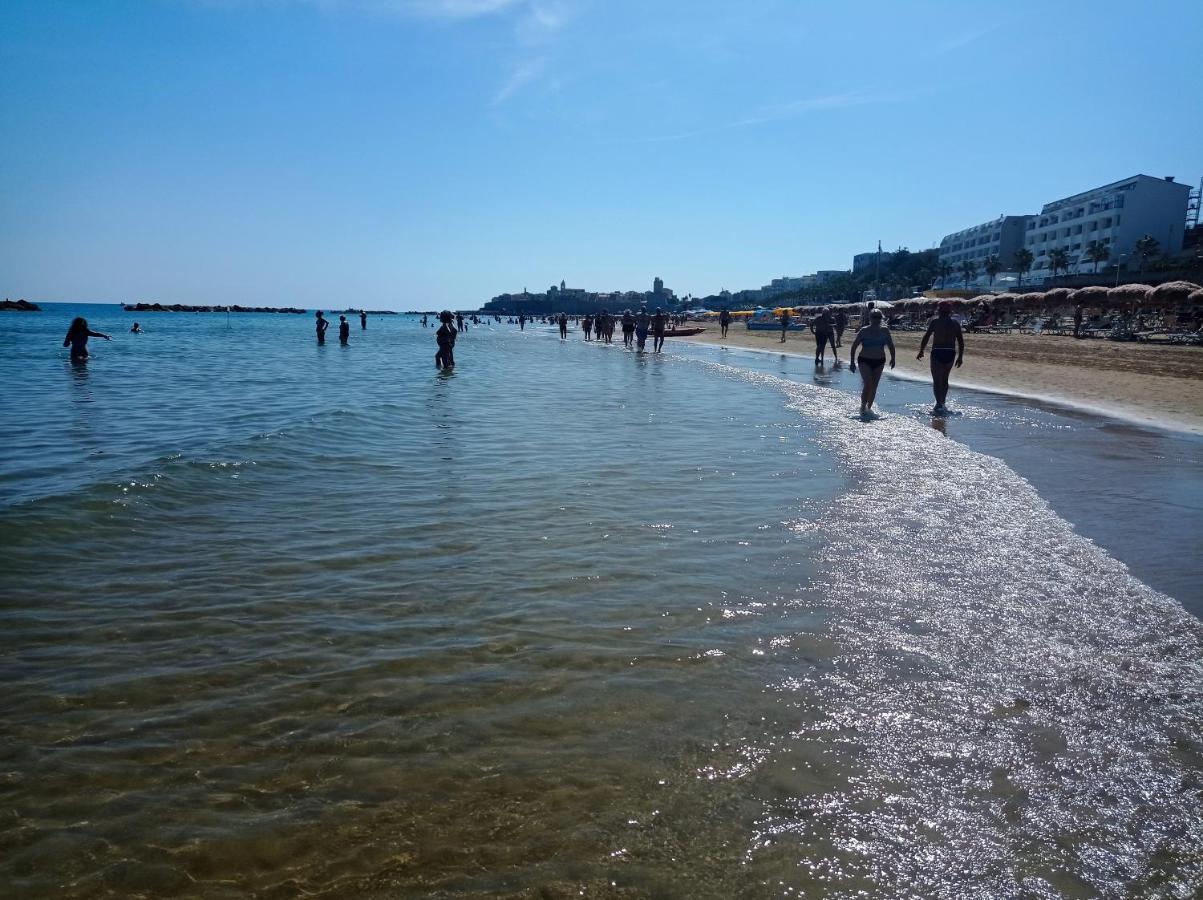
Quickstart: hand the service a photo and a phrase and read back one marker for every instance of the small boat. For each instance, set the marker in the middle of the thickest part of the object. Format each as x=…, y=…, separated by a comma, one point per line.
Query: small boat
x=770, y=322
x=683, y=332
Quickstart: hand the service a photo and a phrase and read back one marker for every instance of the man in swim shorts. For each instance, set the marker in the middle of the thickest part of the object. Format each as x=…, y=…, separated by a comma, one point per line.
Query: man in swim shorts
x=948, y=348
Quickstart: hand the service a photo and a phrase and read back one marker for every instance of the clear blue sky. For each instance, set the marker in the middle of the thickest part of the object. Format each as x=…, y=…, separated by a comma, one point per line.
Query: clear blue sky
x=413, y=153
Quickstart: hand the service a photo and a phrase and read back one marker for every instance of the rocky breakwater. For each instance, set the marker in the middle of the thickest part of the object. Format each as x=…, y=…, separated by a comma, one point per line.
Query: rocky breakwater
x=180, y=307
x=19, y=306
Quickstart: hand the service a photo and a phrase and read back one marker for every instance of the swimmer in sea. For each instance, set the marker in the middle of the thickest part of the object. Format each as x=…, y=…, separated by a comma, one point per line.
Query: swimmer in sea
x=77, y=338
x=344, y=330
x=363, y=320
x=137, y=329
x=874, y=339
x=445, y=358
x=321, y=325
x=948, y=348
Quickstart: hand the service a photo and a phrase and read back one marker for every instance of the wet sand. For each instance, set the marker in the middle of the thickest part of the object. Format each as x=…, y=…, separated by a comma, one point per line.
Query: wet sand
x=1148, y=383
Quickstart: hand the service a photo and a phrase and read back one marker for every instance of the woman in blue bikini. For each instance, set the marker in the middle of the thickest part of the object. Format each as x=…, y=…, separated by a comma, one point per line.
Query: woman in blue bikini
x=873, y=340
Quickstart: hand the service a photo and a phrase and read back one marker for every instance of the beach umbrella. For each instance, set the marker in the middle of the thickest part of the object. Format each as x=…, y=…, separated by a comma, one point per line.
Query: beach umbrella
x=1196, y=297
x=1057, y=296
x=1035, y=298
x=1172, y=292
x=1094, y=295
x=1129, y=293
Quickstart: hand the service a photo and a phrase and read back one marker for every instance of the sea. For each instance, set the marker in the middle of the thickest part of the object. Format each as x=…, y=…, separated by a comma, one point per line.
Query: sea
x=288, y=620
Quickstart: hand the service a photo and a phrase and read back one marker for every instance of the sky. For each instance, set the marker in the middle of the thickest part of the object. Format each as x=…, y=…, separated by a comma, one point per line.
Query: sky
x=423, y=153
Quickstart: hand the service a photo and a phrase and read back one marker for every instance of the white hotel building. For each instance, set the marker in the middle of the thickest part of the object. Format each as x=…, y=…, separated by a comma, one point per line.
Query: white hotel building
x=1117, y=215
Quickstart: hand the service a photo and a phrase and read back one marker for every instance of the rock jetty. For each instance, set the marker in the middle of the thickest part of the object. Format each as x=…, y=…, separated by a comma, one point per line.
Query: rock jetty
x=180, y=307
x=20, y=306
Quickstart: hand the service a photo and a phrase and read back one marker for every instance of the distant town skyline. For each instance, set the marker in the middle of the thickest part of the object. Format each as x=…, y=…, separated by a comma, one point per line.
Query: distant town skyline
x=420, y=153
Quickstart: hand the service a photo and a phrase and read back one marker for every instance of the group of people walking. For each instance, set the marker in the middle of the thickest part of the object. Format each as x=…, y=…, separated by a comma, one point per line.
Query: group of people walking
x=635, y=327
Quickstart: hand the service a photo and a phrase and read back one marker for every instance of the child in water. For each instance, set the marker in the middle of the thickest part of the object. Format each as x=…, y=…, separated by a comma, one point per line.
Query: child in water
x=77, y=337
x=445, y=358
x=344, y=330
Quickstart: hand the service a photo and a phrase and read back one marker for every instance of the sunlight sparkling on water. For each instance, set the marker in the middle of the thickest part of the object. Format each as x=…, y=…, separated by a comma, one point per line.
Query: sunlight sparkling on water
x=568, y=622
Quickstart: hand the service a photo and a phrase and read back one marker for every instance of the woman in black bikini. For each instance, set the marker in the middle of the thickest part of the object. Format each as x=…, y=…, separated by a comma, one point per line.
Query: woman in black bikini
x=874, y=339
x=77, y=338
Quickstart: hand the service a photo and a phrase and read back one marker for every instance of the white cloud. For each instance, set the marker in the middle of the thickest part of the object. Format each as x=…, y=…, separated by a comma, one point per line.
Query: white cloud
x=782, y=111
x=966, y=37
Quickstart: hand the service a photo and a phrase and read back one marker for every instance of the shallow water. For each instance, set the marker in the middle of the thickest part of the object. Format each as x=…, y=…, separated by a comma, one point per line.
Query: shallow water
x=571, y=621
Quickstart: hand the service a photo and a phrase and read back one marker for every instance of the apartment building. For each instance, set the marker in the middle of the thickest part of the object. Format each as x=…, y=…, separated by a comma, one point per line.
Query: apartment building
x=999, y=237
x=1116, y=215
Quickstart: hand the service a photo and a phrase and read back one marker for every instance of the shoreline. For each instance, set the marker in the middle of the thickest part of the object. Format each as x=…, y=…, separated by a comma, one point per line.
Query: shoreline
x=1154, y=386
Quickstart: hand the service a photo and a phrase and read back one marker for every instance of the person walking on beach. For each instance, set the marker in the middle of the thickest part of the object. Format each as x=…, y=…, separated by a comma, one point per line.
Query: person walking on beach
x=642, y=322
x=628, y=328
x=841, y=322
x=1078, y=320
x=321, y=324
x=587, y=327
x=77, y=338
x=784, y=324
x=363, y=320
x=659, y=321
x=344, y=330
x=724, y=320
x=445, y=336
x=874, y=339
x=824, y=332
x=563, y=322
x=948, y=348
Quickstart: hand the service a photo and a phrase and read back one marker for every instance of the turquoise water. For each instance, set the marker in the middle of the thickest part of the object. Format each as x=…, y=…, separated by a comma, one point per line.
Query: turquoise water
x=281, y=619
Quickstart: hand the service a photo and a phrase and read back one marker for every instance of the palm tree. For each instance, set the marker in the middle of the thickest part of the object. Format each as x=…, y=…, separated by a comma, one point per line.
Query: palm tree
x=1098, y=252
x=1146, y=248
x=1058, y=259
x=992, y=267
x=943, y=270
x=1023, y=262
x=968, y=271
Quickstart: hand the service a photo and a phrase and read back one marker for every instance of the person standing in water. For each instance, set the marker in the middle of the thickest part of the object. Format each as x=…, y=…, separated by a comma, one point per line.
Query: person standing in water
x=363, y=320
x=724, y=321
x=459, y=321
x=587, y=327
x=445, y=336
x=872, y=361
x=77, y=338
x=948, y=348
x=321, y=325
x=659, y=321
x=628, y=328
x=344, y=330
x=824, y=332
x=137, y=329
x=562, y=321
x=642, y=323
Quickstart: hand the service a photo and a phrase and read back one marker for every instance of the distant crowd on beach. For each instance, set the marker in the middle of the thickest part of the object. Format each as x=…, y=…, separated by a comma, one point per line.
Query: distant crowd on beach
x=873, y=339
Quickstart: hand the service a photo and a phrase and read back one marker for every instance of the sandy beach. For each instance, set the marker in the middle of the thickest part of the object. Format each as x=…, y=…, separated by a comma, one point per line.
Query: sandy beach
x=1149, y=383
